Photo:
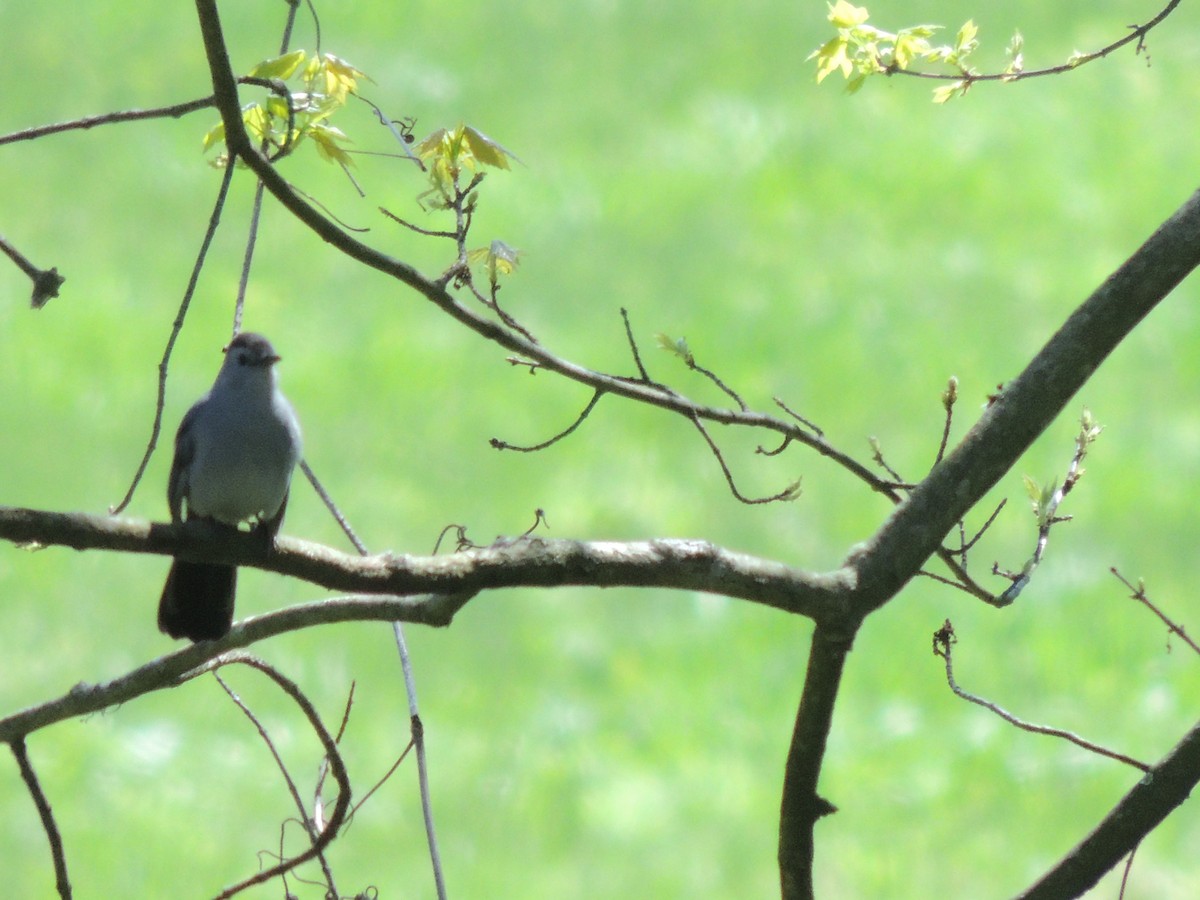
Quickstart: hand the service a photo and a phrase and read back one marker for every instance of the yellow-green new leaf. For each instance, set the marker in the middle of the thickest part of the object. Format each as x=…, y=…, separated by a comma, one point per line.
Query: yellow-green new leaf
x=498, y=259
x=831, y=57
x=257, y=121
x=844, y=15
x=280, y=66
x=679, y=347
x=216, y=134
x=950, y=91
x=965, y=42
x=341, y=78
x=484, y=149
x=328, y=140
x=909, y=46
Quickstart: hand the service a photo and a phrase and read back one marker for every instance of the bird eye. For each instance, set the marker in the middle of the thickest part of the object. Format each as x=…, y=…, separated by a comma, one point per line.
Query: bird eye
x=243, y=359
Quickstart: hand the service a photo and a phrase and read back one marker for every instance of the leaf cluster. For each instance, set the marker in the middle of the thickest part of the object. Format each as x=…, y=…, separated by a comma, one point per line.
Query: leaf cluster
x=287, y=117
x=450, y=152
x=859, y=50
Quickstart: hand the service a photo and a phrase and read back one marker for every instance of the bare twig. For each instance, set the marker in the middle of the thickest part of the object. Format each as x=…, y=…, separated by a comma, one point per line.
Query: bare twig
x=46, y=282
x=943, y=641
x=877, y=456
x=338, y=768
x=712, y=376
x=587, y=411
x=342, y=521
x=46, y=814
x=417, y=228
x=799, y=418
x=949, y=398
x=312, y=829
x=164, y=364
x=418, y=741
x=791, y=492
x=961, y=551
x=539, y=518
x=133, y=115
x=1125, y=873
x=633, y=348
x=410, y=684
x=318, y=802
x=382, y=781
x=1139, y=594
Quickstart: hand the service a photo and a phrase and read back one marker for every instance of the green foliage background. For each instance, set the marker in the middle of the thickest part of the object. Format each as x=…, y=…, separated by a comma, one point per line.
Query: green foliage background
x=844, y=254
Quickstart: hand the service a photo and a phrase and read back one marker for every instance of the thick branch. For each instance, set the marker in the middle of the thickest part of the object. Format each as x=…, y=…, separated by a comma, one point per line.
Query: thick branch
x=1164, y=788
x=802, y=806
x=1027, y=406
x=525, y=562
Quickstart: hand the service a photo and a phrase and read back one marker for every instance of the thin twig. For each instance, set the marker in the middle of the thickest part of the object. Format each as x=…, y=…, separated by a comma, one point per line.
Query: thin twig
x=633, y=347
x=1126, y=871
x=418, y=740
x=46, y=814
x=877, y=456
x=962, y=550
x=164, y=364
x=46, y=282
x=1136, y=33
x=799, y=418
x=587, y=411
x=1046, y=509
x=943, y=641
x=410, y=685
x=791, y=492
x=712, y=376
x=174, y=112
x=1139, y=594
x=417, y=228
x=312, y=830
x=323, y=770
x=382, y=781
x=343, y=523
x=949, y=398
x=337, y=766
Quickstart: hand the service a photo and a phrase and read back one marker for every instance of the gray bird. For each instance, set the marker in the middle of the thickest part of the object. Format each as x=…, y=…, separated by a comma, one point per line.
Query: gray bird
x=234, y=455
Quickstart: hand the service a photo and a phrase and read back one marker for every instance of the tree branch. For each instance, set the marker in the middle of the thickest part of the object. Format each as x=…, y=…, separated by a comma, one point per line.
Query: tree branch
x=1155, y=796
x=1027, y=406
x=801, y=806
x=240, y=146
x=692, y=565
x=61, y=881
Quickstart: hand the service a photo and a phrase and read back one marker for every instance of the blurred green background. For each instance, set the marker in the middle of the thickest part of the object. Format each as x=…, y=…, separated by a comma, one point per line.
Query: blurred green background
x=847, y=254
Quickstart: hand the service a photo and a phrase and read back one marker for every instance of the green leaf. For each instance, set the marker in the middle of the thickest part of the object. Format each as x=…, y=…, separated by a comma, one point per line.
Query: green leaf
x=1032, y=488
x=484, y=149
x=677, y=346
x=328, y=140
x=949, y=91
x=792, y=491
x=257, y=121
x=843, y=15
x=341, y=78
x=908, y=47
x=280, y=66
x=498, y=259
x=831, y=57
x=965, y=41
x=215, y=135
x=1016, y=55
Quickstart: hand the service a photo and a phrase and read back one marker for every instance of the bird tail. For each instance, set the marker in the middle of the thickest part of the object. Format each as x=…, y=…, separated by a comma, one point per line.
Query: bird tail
x=197, y=601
